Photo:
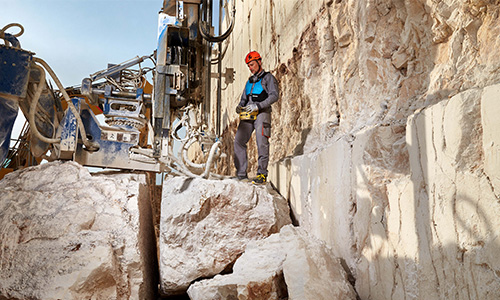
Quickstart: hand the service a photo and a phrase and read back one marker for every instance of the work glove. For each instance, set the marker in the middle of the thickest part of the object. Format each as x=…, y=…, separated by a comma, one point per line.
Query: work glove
x=251, y=108
x=239, y=109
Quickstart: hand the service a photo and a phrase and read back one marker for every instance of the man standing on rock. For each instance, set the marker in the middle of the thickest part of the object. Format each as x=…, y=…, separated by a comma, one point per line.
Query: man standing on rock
x=261, y=90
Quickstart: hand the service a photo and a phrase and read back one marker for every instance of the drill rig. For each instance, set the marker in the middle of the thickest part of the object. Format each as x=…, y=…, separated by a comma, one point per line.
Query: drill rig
x=142, y=121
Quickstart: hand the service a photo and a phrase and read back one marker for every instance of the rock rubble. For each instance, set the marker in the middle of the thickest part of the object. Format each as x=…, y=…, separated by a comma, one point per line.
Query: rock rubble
x=206, y=224
x=288, y=265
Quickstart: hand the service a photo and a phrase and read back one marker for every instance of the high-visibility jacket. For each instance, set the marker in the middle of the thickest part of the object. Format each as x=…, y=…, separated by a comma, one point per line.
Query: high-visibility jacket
x=261, y=89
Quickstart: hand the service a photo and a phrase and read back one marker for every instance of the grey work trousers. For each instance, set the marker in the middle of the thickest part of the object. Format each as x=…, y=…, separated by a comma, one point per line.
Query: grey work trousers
x=262, y=126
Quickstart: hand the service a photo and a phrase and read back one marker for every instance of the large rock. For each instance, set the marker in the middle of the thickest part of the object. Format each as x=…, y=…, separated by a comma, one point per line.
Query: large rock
x=206, y=225
x=68, y=235
x=291, y=264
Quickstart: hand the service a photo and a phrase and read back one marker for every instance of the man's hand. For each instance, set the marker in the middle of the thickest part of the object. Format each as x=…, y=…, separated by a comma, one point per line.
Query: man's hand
x=251, y=108
x=239, y=109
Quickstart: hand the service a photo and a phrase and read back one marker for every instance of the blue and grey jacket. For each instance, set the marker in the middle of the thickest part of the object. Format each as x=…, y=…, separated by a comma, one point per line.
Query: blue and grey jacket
x=261, y=89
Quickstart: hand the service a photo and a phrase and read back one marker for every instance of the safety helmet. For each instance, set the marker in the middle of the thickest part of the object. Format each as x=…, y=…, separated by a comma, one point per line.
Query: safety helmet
x=254, y=55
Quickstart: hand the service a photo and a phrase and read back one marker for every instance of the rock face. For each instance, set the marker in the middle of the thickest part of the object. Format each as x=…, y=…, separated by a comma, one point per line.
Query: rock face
x=347, y=65
x=428, y=233
x=450, y=202
x=206, y=224
x=68, y=235
x=288, y=265
x=385, y=139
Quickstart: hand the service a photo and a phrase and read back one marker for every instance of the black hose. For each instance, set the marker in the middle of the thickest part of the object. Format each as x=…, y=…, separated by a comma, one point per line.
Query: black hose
x=220, y=38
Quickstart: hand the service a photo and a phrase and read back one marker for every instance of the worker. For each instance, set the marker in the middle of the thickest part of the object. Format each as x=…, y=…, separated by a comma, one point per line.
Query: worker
x=261, y=90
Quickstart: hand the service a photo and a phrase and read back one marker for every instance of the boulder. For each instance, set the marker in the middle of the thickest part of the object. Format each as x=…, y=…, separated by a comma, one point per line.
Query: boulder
x=206, y=224
x=66, y=234
x=289, y=264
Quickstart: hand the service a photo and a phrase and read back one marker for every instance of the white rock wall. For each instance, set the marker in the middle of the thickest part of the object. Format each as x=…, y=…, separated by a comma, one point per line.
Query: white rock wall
x=347, y=65
x=456, y=204
x=359, y=81
x=429, y=234
x=65, y=234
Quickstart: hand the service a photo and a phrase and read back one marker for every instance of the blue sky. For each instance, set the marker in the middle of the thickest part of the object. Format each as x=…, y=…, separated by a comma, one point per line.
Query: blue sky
x=79, y=37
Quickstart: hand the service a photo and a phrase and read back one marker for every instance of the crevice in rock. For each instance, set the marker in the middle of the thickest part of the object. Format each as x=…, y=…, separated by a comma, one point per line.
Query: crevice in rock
x=433, y=232
x=350, y=275
x=175, y=297
x=474, y=287
x=148, y=240
x=492, y=187
x=356, y=252
x=38, y=238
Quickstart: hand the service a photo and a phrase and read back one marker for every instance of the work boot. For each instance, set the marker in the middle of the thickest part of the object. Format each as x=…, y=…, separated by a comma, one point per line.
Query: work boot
x=261, y=179
x=242, y=178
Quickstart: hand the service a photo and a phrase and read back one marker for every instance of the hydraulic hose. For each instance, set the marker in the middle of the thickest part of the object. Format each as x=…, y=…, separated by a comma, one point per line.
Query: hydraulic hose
x=11, y=38
x=175, y=160
x=88, y=144
x=210, y=160
x=184, y=149
x=33, y=107
x=222, y=37
x=177, y=127
x=181, y=169
x=21, y=31
x=217, y=60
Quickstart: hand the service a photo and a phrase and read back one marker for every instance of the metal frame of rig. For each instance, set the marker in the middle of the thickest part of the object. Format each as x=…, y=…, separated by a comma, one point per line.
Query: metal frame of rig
x=143, y=121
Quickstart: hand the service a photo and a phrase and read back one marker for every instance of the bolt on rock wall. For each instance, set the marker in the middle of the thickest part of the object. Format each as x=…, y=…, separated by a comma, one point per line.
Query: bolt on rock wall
x=65, y=234
x=358, y=82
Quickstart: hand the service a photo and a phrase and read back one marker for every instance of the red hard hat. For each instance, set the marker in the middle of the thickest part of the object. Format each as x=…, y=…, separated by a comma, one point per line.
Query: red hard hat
x=254, y=55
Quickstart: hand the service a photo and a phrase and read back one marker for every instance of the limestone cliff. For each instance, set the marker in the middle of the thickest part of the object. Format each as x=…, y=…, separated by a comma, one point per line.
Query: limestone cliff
x=385, y=139
x=346, y=65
